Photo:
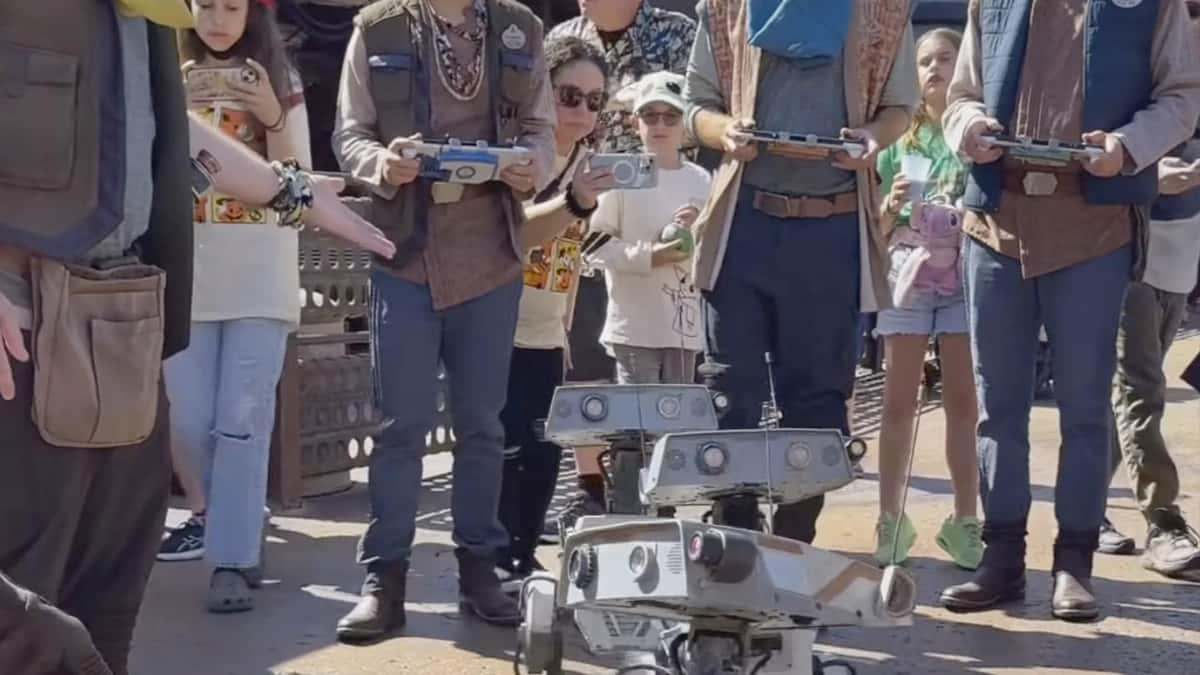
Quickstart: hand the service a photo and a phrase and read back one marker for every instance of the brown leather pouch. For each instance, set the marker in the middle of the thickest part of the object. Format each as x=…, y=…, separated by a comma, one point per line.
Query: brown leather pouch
x=97, y=352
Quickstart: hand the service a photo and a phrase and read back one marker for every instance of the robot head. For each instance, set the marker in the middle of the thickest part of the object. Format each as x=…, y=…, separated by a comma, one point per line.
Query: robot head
x=604, y=413
x=785, y=465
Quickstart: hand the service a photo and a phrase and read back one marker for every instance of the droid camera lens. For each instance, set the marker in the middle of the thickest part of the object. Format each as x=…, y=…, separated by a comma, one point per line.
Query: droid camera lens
x=798, y=456
x=668, y=407
x=720, y=402
x=640, y=559
x=712, y=459
x=595, y=408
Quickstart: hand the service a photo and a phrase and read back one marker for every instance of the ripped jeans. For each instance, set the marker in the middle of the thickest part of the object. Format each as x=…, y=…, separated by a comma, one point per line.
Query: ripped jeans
x=222, y=393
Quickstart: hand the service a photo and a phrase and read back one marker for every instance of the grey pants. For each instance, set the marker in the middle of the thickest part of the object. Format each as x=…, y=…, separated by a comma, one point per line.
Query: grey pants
x=646, y=365
x=1149, y=321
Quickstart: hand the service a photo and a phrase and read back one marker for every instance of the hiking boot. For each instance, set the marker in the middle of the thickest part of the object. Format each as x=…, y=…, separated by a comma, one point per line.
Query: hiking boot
x=480, y=593
x=579, y=506
x=962, y=540
x=1112, y=541
x=1073, y=599
x=1172, y=546
x=889, y=550
x=381, y=607
x=185, y=542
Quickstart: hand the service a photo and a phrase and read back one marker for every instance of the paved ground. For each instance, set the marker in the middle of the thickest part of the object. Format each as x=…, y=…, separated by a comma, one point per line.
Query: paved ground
x=1150, y=625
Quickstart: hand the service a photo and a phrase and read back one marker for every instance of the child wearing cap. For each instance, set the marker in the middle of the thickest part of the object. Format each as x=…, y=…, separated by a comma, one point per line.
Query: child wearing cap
x=653, y=328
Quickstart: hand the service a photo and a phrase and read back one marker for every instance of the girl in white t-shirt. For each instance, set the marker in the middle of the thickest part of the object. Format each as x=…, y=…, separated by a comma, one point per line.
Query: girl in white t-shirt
x=653, y=328
x=245, y=298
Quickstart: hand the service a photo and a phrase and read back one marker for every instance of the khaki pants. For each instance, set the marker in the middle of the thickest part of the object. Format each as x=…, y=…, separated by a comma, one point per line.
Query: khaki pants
x=1149, y=321
x=81, y=527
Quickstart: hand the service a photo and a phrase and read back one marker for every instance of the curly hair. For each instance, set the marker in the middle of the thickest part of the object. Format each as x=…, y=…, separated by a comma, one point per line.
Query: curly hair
x=567, y=50
x=922, y=118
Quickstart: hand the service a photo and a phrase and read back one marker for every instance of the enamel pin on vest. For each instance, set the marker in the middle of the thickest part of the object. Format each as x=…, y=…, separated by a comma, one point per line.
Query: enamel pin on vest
x=514, y=38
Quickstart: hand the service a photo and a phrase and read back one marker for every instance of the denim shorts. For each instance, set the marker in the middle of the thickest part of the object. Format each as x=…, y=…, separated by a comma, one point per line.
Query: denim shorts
x=927, y=313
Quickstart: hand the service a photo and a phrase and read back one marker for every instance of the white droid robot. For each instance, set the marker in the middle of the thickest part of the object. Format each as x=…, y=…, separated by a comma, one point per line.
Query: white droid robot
x=706, y=598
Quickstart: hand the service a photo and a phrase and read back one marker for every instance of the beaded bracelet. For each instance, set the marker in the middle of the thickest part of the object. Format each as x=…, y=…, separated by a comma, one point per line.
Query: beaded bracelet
x=295, y=196
x=574, y=207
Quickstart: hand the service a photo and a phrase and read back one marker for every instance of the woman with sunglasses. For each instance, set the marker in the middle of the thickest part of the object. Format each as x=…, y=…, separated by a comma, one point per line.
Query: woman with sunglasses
x=553, y=235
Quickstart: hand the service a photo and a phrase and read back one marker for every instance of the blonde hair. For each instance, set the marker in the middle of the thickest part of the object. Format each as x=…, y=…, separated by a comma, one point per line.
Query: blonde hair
x=922, y=118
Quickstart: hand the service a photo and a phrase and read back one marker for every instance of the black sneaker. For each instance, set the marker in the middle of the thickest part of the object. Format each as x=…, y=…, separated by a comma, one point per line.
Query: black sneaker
x=185, y=542
x=579, y=506
x=1112, y=542
x=1172, y=547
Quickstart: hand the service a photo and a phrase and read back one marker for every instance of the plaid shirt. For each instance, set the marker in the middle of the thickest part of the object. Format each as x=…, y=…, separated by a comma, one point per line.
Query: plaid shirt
x=657, y=40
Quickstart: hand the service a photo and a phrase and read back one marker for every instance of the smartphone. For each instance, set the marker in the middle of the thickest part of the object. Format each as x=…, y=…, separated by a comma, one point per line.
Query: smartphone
x=850, y=147
x=630, y=171
x=205, y=85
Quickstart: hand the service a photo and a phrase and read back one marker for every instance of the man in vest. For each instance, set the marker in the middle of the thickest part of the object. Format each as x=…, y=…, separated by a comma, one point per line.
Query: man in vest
x=472, y=70
x=787, y=248
x=636, y=39
x=95, y=188
x=1056, y=245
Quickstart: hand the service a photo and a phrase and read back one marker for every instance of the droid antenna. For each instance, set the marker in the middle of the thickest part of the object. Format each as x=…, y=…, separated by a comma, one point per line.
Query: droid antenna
x=771, y=417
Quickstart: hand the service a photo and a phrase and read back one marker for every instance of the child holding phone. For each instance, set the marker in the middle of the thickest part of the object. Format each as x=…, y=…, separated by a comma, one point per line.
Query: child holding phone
x=245, y=298
x=653, y=327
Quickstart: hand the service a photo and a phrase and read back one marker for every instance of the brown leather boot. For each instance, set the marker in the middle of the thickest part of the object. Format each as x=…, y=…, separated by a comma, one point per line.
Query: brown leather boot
x=1073, y=599
x=1001, y=575
x=381, y=607
x=480, y=592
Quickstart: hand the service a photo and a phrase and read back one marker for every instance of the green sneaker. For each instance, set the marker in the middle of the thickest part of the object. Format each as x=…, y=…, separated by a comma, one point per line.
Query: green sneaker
x=962, y=540
x=885, y=534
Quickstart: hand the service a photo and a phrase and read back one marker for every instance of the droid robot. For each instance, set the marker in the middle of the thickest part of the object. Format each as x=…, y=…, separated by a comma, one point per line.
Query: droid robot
x=706, y=597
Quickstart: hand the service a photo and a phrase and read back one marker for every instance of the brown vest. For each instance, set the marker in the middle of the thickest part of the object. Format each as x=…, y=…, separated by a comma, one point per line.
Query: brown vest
x=400, y=54
x=63, y=117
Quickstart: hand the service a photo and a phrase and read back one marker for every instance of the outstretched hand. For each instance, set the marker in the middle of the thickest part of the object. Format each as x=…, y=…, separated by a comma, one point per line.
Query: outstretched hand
x=332, y=216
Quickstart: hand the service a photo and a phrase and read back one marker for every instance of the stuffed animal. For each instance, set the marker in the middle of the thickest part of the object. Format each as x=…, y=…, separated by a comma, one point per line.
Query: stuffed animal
x=935, y=232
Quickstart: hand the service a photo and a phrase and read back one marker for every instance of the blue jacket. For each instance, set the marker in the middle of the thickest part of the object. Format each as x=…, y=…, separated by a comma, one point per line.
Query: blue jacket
x=1117, y=82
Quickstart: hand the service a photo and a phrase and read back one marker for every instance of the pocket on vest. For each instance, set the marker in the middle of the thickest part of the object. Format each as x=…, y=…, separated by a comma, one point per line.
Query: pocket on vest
x=38, y=106
x=391, y=86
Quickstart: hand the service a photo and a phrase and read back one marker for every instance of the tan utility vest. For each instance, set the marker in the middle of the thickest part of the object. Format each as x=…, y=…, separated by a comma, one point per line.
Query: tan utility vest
x=62, y=117
x=401, y=57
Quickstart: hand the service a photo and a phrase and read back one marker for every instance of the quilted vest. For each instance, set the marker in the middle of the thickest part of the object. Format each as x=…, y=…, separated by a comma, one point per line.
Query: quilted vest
x=1117, y=82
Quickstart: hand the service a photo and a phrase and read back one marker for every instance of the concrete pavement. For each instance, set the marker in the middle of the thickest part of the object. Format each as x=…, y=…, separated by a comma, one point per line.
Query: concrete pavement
x=1150, y=625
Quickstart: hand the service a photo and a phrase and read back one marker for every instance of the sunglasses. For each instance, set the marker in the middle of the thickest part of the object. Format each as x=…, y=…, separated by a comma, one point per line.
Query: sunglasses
x=570, y=96
x=669, y=119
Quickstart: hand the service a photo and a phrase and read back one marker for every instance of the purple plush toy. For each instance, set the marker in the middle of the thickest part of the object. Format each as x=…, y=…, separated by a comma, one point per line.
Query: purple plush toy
x=934, y=232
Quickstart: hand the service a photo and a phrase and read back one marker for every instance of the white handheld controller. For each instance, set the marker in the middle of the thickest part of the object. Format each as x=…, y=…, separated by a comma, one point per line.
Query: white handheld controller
x=453, y=161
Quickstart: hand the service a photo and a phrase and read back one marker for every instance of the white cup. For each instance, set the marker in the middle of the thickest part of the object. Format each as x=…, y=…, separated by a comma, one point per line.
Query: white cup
x=916, y=169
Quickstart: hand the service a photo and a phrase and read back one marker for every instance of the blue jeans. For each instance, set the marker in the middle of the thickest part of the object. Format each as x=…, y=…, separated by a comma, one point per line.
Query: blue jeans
x=222, y=393
x=790, y=287
x=408, y=339
x=1080, y=307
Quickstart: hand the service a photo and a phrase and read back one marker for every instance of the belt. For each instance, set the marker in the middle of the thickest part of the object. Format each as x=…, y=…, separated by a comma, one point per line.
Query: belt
x=786, y=206
x=1041, y=181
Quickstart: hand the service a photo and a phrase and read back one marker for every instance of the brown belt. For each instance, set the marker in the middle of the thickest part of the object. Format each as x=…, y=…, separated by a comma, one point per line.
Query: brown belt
x=785, y=206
